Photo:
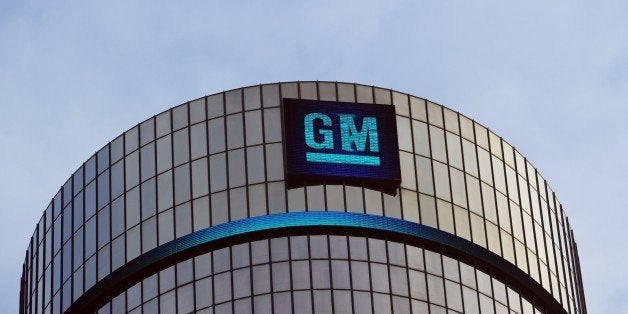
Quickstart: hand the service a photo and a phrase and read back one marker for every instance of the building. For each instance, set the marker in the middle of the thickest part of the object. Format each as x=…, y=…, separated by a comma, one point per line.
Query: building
x=195, y=209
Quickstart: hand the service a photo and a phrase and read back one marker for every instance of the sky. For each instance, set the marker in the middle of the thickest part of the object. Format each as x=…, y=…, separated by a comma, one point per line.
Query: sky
x=550, y=77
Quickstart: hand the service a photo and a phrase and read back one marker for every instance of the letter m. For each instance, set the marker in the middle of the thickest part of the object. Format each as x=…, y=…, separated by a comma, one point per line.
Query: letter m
x=354, y=139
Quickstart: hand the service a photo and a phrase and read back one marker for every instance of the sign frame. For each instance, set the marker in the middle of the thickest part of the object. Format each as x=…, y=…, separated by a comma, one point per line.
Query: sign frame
x=330, y=142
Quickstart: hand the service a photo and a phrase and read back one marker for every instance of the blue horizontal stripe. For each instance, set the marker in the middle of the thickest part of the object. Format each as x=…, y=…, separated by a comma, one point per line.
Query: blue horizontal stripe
x=343, y=159
x=262, y=227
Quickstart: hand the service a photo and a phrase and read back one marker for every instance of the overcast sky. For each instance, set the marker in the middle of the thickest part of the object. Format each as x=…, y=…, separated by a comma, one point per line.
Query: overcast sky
x=550, y=77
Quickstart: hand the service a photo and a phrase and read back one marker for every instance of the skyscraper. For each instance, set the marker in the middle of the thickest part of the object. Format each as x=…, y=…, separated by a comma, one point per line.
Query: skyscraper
x=304, y=197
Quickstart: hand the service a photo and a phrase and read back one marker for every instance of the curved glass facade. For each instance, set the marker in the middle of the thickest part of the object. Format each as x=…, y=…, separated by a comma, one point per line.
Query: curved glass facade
x=220, y=158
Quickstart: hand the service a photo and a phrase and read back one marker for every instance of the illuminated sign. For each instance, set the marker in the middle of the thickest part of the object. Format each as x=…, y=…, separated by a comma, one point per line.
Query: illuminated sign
x=341, y=143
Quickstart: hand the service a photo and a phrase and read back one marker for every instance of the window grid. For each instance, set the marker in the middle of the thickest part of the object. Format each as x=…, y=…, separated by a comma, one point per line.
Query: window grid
x=47, y=255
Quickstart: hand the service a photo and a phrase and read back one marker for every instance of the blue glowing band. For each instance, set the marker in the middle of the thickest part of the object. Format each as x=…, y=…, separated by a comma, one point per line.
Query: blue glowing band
x=300, y=223
x=342, y=159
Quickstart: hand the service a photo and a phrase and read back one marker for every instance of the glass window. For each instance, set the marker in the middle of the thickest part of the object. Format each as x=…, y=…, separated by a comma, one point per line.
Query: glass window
x=308, y=90
x=203, y=292
x=200, y=208
x=219, y=207
x=453, y=150
x=233, y=101
x=289, y=90
x=147, y=158
x=338, y=247
x=485, y=166
x=488, y=195
x=117, y=253
x=103, y=262
x=131, y=140
x=340, y=275
x=261, y=279
x=318, y=246
x=346, y=92
x=410, y=206
x=132, y=207
x=237, y=205
x=470, y=160
x=117, y=149
x=436, y=289
x=78, y=180
x=315, y=199
x=461, y=217
x=117, y=179
x=252, y=98
x=255, y=164
x=404, y=137
x=257, y=200
x=398, y=281
x=224, y=282
x=78, y=249
x=185, y=299
x=103, y=227
x=320, y=274
x=163, y=123
x=184, y=272
x=148, y=199
x=149, y=234
x=272, y=123
x=103, y=159
x=147, y=131
x=300, y=275
x=218, y=172
x=216, y=134
x=90, y=272
x=270, y=95
x=200, y=183
x=133, y=243
x=496, y=147
x=90, y=169
x=336, y=199
x=327, y=91
x=103, y=189
x=392, y=206
x=437, y=140
x=276, y=197
x=182, y=184
x=180, y=116
x=197, y=110
x=458, y=187
x=237, y=168
x=274, y=162
x=90, y=200
x=481, y=136
x=441, y=180
x=132, y=170
x=215, y=106
x=90, y=237
x=181, y=147
x=67, y=224
x=164, y=188
x=281, y=276
x=435, y=114
x=240, y=255
x=379, y=278
x=165, y=227
x=364, y=94
x=164, y=154
x=253, y=124
x=421, y=140
x=198, y=140
x=235, y=130
x=424, y=173
x=241, y=283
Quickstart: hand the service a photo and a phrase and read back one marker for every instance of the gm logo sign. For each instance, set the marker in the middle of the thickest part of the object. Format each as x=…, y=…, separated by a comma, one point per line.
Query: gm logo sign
x=341, y=143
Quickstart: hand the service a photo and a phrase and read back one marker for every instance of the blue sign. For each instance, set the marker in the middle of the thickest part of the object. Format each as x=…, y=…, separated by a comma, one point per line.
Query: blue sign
x=341, y=143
